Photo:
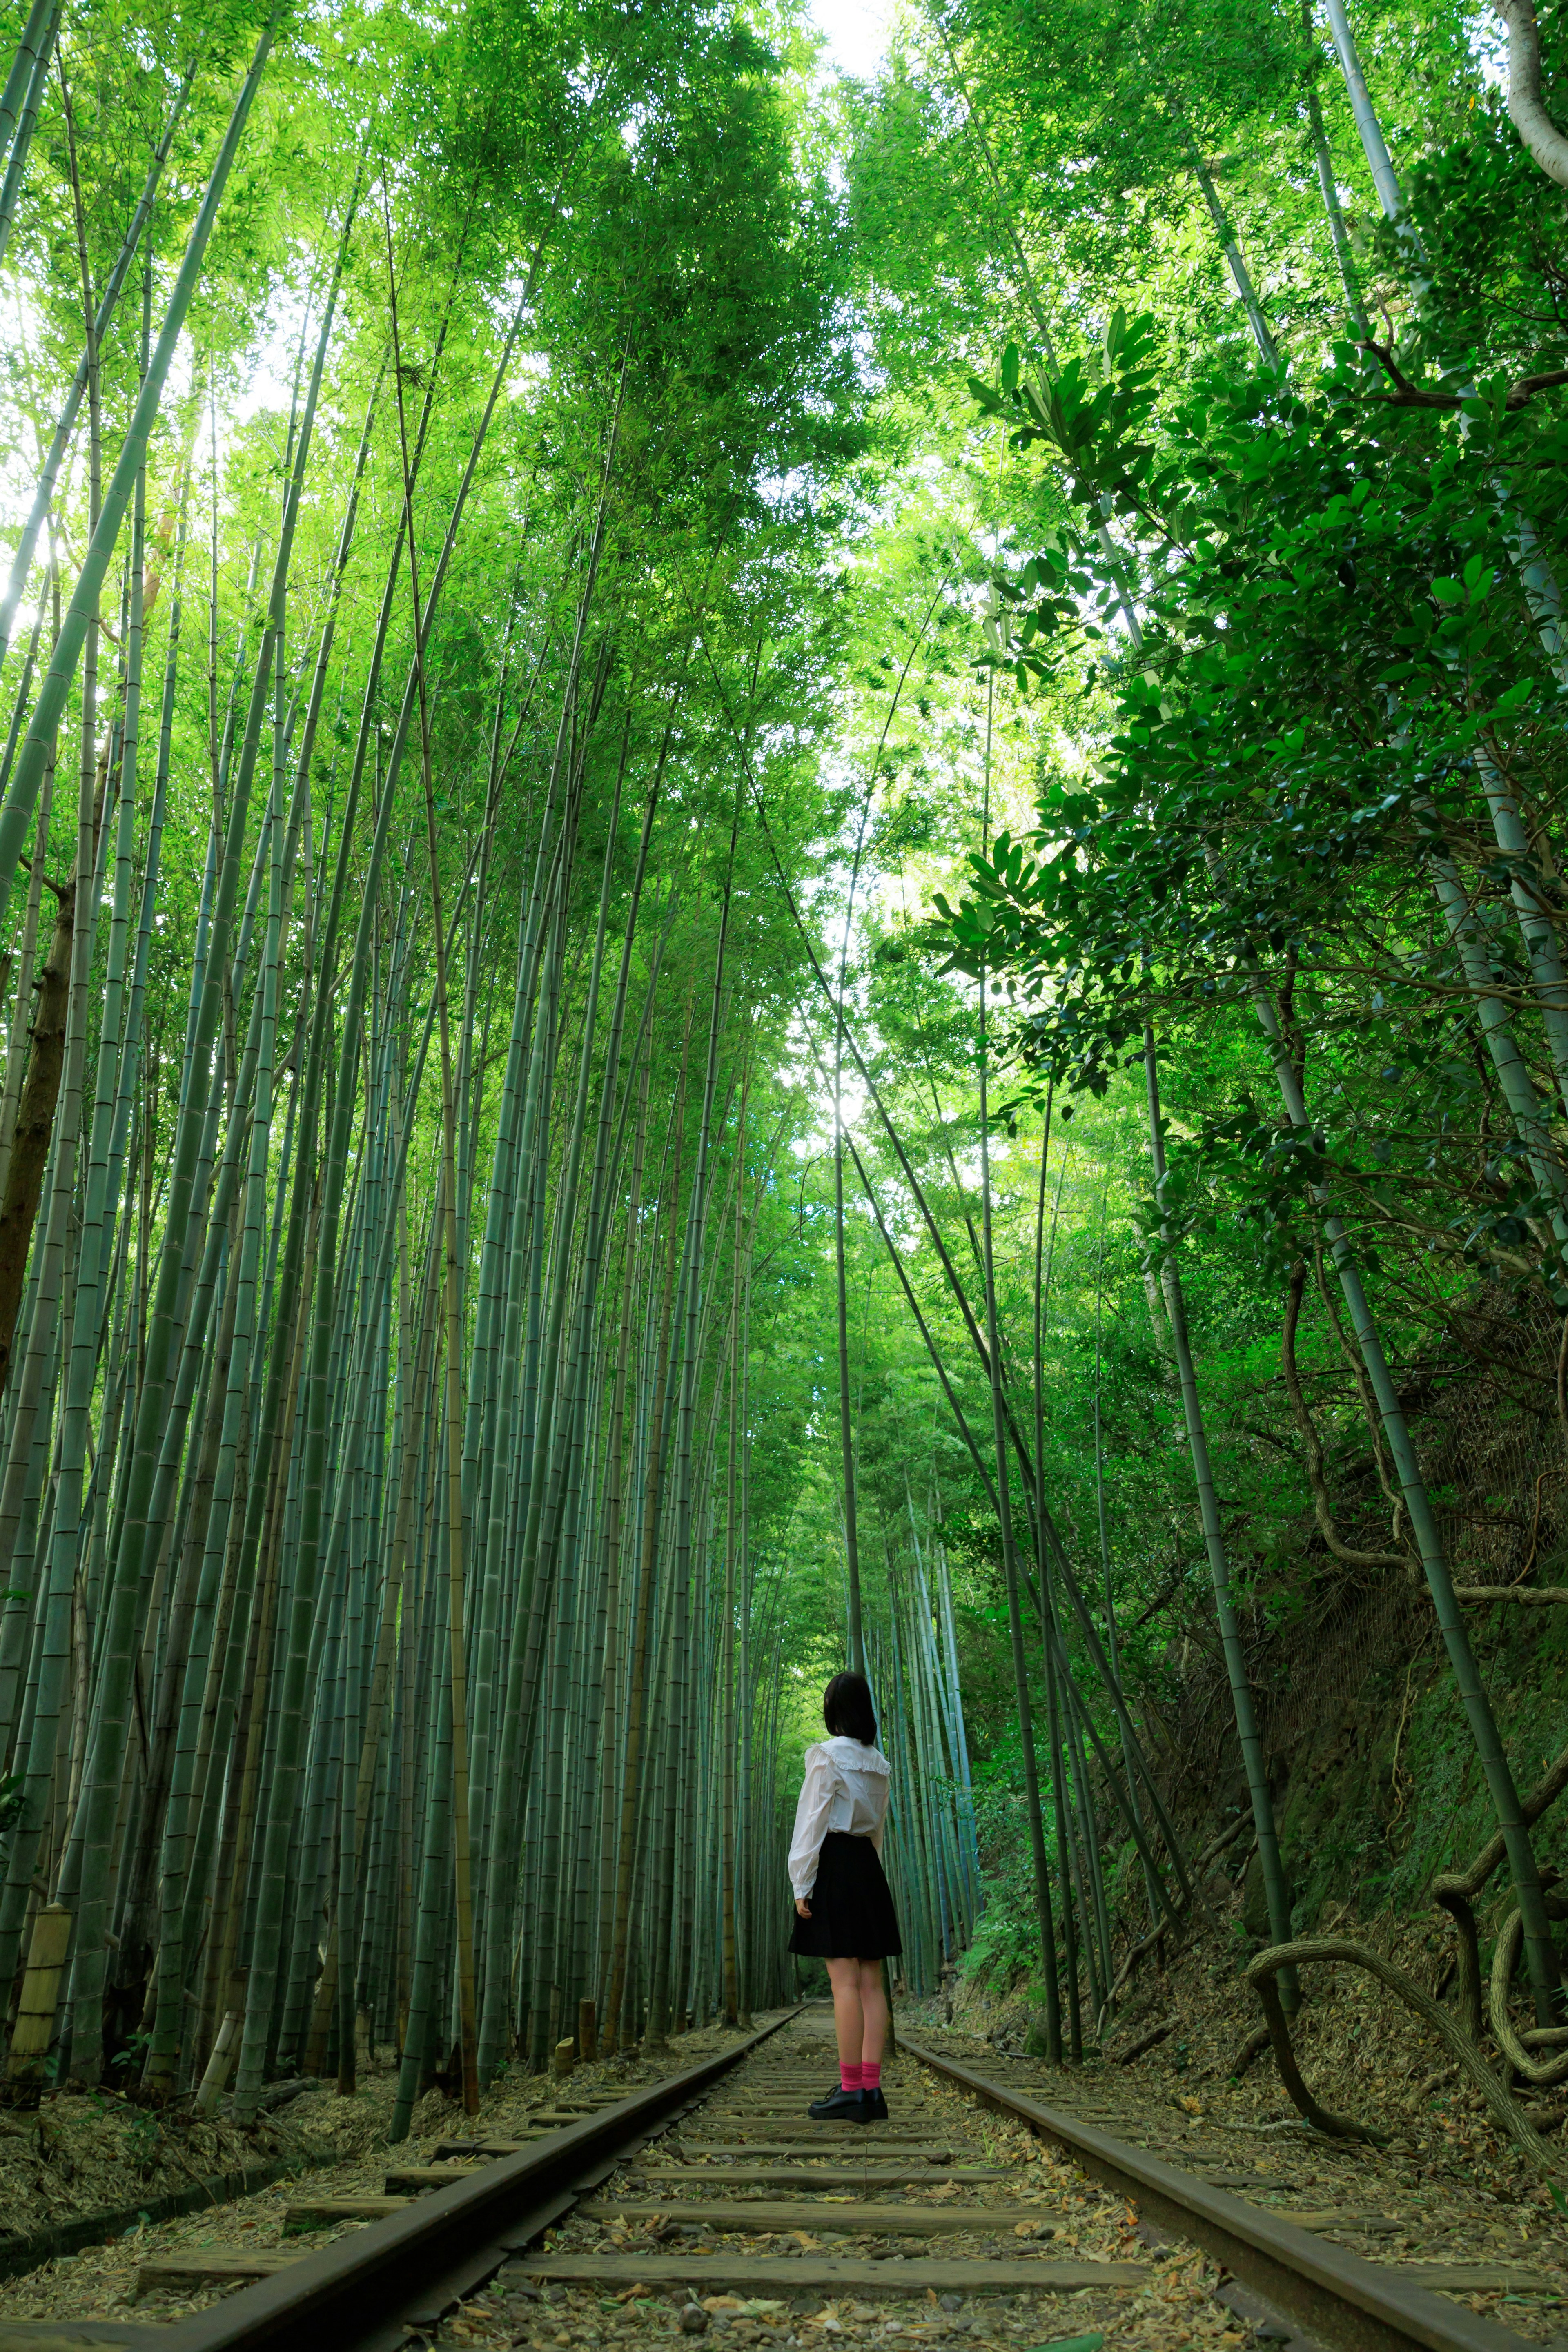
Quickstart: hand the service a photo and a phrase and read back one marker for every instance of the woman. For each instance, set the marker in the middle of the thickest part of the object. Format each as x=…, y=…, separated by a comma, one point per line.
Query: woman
x=845, y=1913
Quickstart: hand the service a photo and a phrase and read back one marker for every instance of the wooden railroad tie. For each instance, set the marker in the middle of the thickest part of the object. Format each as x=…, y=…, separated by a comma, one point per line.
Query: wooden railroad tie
x=808, y=2131
x=223, y=2266
x=320, y=2212
x=877, y=2150
x=1327, y=2217
x=825, y=2176
x=210, y=2266
x=827, y=2274
x=786, y=2097
x=905, y=2112
x=411, y=2179
x=756, y=2217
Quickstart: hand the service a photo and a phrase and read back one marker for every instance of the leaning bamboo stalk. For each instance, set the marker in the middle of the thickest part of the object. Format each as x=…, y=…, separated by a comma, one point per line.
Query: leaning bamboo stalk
x=654, y=1475
x=24, y=65
x=275, y=1861
x=727, y=1836
x=27, y=956
x=575, y=1341
x=18, y=809
x=1493, y=1756
x=1051, y=1534
x=1275, y=1889
x=193, y=1143
x=453, y=1291
x=658, y=1994
x=40, y=1352
x=618, y=1585
x=1047, y=1924
x=544, y=1344
x=107, y=302
x=35, y=85
x=162, y=2050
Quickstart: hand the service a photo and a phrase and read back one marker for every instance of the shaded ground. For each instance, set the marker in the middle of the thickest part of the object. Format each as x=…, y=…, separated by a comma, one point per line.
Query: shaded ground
x=1175, y=2308
x=1362, y=2050
x=1445, y=2187
x=1441, y=2191
x=88, y=2154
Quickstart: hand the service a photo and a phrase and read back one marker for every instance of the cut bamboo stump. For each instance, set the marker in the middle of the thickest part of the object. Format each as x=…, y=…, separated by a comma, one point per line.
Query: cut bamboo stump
x=566, y=2056
x=34, y=2028
x=217, y=2065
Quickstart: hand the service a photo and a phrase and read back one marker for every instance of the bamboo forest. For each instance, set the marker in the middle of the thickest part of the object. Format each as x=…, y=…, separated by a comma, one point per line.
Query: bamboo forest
x=782, y=888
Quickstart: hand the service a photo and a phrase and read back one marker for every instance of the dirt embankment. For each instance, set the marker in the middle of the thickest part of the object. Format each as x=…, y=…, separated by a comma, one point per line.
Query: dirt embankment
x=1360, y=2051
x=1374, y=1771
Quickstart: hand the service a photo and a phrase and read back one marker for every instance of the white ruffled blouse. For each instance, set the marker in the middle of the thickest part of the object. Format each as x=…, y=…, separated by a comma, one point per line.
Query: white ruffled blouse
x=845, y=1788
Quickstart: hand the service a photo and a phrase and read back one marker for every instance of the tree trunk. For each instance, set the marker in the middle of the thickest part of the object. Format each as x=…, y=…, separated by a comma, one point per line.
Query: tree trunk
x=35, y=1123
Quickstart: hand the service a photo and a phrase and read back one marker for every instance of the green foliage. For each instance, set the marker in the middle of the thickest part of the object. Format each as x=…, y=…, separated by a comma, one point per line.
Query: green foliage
x=1251, y=650
x=965, y=582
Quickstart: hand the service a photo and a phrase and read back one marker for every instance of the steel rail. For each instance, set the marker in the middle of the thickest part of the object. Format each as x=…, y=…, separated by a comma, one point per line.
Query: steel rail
x=384, y=2286
x=1338, y=2297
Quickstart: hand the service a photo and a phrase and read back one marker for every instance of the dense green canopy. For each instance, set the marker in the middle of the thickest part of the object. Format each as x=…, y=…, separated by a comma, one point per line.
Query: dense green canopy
x=780, y=884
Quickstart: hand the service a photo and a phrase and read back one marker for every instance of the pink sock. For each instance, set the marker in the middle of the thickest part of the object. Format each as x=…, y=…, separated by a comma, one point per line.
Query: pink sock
x=871, y=2075
x=849, y=2076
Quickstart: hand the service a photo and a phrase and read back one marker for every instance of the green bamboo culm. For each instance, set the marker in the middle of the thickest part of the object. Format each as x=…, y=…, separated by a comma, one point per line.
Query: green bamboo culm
x=17, y=811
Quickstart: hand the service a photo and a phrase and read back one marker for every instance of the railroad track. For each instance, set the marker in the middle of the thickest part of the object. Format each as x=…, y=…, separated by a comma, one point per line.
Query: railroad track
x=1280, y=2264
x=711, y=2202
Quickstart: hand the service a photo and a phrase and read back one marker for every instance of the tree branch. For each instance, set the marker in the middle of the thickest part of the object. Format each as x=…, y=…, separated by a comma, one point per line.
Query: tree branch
x=1526, y=107
x=1407, y=394
x=1260, y=1975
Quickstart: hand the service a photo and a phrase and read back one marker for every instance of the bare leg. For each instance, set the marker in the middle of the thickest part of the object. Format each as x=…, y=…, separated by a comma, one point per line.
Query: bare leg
x=873, y=2004
x=845, y=1977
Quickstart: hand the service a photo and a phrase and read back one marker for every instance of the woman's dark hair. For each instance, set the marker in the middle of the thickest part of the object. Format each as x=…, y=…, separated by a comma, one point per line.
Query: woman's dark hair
x=847, y=1711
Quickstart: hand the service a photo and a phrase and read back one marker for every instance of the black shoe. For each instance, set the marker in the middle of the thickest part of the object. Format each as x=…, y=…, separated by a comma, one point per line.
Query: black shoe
x=875, y=2107
x=842, y=2107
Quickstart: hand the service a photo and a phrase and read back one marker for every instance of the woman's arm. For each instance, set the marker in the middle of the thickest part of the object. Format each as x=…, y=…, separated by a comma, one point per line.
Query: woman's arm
x=810, y=1824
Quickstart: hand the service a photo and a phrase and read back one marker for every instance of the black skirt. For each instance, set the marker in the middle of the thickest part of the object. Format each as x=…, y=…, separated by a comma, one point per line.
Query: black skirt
x=852, y=1916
